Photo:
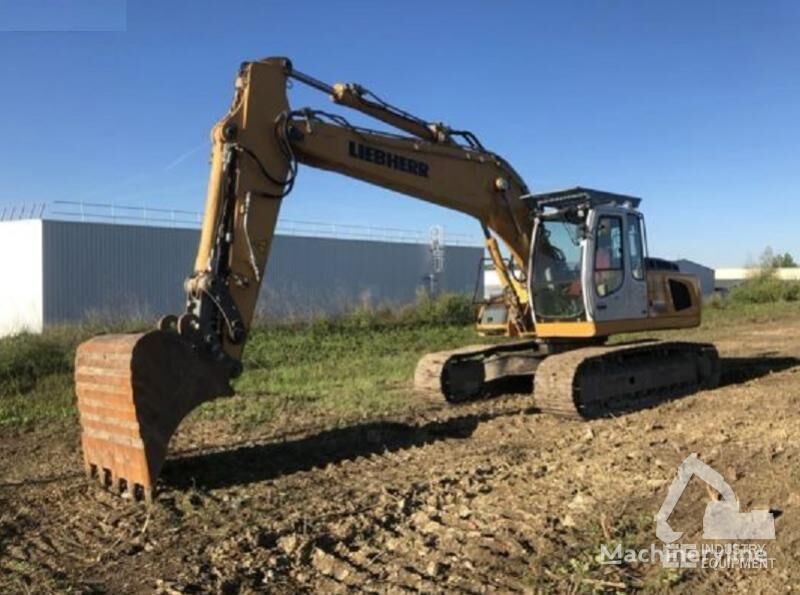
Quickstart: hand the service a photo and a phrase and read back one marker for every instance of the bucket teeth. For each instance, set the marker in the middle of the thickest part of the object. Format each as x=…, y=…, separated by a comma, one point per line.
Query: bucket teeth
x=133, y=391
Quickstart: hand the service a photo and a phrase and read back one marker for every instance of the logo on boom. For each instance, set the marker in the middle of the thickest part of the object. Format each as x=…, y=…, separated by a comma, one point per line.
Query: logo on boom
x=388, y=159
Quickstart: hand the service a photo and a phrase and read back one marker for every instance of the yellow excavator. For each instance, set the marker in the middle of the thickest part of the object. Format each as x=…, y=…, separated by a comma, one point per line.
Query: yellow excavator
x=578, y=273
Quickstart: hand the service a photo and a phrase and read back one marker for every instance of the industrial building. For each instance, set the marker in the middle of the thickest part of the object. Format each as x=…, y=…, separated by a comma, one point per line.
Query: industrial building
x=59, y=271
x=705, y=275
x=727, y=279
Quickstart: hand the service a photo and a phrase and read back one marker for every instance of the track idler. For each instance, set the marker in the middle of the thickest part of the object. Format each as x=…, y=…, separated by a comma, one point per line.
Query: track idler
x=133, y=391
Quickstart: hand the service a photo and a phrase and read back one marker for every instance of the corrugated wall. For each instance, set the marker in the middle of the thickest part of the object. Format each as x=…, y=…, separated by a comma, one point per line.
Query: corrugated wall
x=110, y=271
x=312, y=275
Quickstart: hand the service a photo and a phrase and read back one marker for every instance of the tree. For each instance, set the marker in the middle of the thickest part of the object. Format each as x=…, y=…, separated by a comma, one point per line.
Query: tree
x=767, y=259
x=770, y=260
x=785, y=261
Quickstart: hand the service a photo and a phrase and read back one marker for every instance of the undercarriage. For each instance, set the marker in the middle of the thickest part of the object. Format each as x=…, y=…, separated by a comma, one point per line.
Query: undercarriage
x=572, y=379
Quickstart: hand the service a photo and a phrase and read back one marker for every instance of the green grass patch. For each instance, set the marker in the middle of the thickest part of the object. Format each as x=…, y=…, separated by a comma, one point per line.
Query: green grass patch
x=764, y=287
x=36, y=371
x=728, y=313
x=36, y=376
x=578, y=567
x=354, y=366
x=340, y=371
x=51, y=401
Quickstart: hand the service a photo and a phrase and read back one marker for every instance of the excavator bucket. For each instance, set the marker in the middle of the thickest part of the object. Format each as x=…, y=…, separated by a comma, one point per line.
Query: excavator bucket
x=133, y=391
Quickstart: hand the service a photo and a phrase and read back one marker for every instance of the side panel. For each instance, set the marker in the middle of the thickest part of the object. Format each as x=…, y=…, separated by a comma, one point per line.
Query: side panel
x=674, y=295
x=585, y=330
x=21, y=263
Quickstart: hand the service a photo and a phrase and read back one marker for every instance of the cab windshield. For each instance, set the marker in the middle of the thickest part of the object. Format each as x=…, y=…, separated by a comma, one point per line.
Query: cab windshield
x=556, y=281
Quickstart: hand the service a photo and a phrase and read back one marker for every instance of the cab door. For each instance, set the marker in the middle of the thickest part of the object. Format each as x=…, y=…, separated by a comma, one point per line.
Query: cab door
x=637, y=288
x=615, y=279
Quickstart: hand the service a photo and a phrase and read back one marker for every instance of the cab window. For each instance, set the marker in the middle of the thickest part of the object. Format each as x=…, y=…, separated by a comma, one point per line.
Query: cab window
x=609, y=271
x=635, y=247
x=556, y=280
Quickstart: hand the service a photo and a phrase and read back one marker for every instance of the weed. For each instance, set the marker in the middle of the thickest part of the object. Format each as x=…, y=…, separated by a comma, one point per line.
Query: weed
x=765, y=288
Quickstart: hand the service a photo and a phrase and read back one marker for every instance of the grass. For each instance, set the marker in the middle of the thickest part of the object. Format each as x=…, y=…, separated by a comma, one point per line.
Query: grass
x=730, y=313
x=36, y=372
x=764, y=287
x=577, y=567
x=35, y=378
x=350, y=366
x=358, y=365
x=338, y=372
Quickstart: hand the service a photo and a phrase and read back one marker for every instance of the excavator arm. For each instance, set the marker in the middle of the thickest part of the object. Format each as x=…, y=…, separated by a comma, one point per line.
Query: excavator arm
x=133, y=390
x=257, y=148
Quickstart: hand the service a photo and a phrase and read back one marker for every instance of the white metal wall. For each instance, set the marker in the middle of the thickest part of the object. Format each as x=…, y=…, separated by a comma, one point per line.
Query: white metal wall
x=115, y=271
x=21, y=265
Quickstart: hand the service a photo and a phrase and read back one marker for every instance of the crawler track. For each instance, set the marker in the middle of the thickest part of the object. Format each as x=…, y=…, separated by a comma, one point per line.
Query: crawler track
x=468, y=373
x=595, y=381
x=580, y=382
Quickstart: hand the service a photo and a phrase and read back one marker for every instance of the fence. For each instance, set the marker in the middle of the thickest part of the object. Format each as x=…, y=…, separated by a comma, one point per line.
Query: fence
x=34, y=210
x=64, y=210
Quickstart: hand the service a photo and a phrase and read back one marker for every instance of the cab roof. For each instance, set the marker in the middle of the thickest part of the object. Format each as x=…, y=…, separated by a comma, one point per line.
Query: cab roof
x=561, y=199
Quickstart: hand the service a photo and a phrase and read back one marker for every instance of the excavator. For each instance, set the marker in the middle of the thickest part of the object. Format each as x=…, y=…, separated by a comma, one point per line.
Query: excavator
x=578, y=272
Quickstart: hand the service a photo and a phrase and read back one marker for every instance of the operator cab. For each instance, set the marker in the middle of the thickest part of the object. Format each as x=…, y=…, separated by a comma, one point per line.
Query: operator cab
x=589, y=274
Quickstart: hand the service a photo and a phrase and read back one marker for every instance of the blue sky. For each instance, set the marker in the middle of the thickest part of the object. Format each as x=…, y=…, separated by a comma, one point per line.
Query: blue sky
x=694, y=106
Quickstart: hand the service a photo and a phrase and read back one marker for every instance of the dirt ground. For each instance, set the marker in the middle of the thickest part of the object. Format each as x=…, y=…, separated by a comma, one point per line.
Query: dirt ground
x=488, y=496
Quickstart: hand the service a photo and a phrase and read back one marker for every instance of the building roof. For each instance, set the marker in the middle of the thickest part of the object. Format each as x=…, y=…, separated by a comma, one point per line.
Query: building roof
x=686, y=261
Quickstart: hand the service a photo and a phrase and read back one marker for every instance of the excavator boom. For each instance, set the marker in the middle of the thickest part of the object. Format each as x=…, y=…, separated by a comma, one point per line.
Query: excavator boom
x=133, y=390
